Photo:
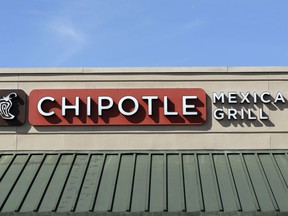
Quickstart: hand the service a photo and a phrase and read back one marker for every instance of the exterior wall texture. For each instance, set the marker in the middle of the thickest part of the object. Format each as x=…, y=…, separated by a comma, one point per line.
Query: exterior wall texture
x=214, y=134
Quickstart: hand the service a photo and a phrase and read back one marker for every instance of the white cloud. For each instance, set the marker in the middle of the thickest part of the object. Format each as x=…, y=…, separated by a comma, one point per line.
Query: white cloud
x=66, y=30
x=68, y=38
x=194, y=24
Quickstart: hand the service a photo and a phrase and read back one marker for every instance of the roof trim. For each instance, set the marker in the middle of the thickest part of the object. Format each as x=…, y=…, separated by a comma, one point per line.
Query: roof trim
x=144, y=70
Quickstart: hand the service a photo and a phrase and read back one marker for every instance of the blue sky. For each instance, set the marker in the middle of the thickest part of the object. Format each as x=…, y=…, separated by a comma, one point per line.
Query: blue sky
x=126, y=33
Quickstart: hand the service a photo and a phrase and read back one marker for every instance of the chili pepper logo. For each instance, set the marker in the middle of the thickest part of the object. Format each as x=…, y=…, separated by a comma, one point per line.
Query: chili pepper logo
x=5, y=106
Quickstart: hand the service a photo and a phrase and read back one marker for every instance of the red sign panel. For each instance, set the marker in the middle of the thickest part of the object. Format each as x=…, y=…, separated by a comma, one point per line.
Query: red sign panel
x=117, y=107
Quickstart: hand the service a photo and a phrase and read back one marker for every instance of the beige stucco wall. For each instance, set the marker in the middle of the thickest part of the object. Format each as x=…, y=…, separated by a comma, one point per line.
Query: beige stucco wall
x=214, y=134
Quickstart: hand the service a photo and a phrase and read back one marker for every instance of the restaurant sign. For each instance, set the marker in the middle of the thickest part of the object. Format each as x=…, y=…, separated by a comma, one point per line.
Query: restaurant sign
x=153, y=106
x=179, y=106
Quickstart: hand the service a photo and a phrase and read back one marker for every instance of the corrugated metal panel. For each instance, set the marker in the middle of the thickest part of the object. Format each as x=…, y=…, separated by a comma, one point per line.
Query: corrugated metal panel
x=144, y=182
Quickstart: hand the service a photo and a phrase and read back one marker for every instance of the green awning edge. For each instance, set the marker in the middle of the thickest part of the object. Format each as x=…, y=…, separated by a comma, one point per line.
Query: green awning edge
x=145, y=214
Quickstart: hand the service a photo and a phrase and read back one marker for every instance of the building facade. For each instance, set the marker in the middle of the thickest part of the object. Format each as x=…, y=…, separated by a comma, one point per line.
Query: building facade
x=133, y=140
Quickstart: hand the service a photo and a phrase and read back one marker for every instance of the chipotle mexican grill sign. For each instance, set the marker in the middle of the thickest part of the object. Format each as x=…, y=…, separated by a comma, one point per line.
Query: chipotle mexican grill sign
x=179, y=106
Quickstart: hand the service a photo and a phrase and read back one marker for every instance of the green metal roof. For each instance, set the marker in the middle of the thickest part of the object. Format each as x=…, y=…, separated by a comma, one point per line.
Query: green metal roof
x=52, y=183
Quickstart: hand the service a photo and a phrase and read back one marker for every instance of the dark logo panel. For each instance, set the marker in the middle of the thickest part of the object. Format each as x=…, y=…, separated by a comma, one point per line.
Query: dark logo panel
x=12, y=107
